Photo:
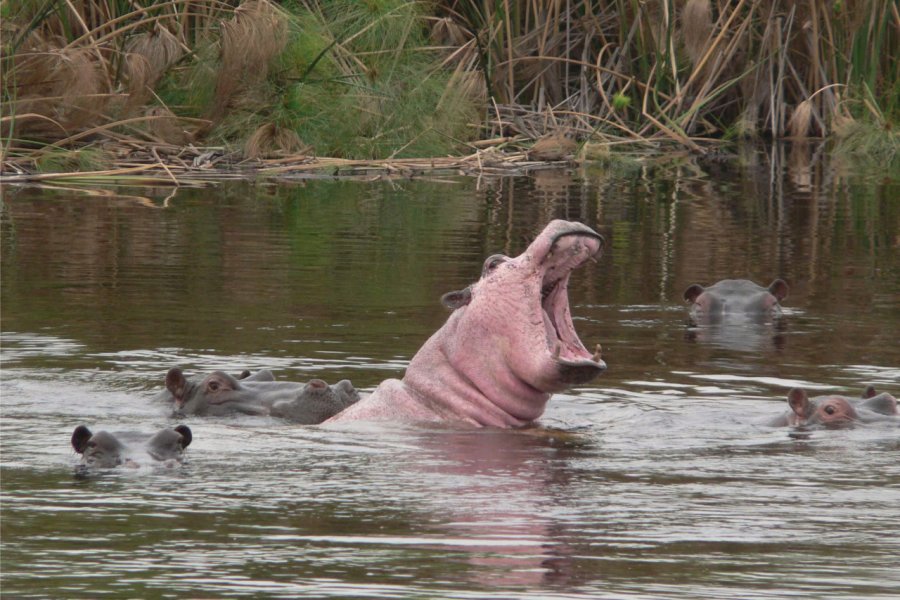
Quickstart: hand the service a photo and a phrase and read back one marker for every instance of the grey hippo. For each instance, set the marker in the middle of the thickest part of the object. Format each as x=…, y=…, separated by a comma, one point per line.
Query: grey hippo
x=106, y=450
x=735, y=300
x=506, y=347
x=835, y=410
x=218, y=393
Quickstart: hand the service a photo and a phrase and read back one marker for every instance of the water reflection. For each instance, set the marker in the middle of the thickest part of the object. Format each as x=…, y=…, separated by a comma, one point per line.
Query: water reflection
x=744, y=337
x=502, y=484
x=663, y=482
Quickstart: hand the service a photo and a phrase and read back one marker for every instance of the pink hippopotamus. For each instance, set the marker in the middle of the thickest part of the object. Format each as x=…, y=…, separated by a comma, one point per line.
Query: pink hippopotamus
x=836, y=411
x=508, y=345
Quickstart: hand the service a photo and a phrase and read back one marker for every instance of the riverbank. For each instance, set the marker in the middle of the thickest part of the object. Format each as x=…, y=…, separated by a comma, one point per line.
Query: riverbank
x=176, y=87
x=199, y=166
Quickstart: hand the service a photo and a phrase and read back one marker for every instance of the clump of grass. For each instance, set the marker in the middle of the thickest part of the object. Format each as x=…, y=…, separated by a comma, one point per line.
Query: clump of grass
x=379, y=92
x=63, y=85
x=148, y=55
x=80, y=160
x=271, y=140
x=873, y=138
x=347, y=79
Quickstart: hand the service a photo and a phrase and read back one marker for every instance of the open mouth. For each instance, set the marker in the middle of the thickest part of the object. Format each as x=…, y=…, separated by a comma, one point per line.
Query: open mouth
x=568, y=252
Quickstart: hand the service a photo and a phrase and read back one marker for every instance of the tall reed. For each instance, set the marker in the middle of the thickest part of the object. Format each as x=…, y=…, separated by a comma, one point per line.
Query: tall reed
x=685, y=68
x=404, y=78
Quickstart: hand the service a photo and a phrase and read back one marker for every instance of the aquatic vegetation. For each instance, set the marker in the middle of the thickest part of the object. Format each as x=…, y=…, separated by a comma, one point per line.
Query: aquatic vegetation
x=682, y=70
x=338, y=79
x=397, y=78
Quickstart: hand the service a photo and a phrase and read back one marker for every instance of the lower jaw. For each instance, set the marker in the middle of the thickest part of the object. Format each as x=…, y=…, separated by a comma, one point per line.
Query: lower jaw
x=573, y=374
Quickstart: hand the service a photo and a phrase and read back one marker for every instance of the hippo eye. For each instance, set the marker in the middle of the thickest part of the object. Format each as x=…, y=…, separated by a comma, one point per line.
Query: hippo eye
x=830, y=409
x=492, y=262
x=213, y=386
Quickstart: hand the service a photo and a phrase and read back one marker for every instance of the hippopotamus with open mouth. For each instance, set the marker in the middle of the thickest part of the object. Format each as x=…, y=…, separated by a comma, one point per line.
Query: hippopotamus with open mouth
x=836, y=411
x=218, y=393
x=508, y=345
x=106, y=450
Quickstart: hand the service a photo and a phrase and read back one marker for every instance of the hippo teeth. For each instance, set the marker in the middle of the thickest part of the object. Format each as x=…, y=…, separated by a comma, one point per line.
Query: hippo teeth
x=547, y=290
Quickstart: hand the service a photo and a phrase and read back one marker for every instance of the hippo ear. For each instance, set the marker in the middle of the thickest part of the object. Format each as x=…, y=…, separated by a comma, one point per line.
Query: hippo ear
x=693, y=292
x=869, y=392
x=186, y=435
x=799, y=402
x=779, y=289
x=176, y=383
x=244, y=374
x=80, y=438
x=458, y=299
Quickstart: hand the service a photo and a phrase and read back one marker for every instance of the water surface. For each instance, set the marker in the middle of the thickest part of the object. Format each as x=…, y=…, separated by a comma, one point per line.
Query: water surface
x=658, y=479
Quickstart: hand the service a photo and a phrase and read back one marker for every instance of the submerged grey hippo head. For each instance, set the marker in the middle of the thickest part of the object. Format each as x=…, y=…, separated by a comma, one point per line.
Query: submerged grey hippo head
x=105, y=450
x=735, y=300
x=836, y=411
x=508, y=345
x=316, y=402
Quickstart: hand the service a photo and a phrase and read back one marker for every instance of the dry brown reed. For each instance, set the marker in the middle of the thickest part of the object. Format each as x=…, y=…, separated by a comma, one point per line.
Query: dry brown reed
x=712, y=67
x=270, y=140
x=696, y=28
x=165, y=127
x=148, y=55
x=250, y=41
x=801, y=120
x=64, y=85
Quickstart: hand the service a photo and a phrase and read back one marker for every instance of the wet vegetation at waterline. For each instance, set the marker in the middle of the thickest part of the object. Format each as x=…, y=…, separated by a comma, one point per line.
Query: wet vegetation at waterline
x=179, y=85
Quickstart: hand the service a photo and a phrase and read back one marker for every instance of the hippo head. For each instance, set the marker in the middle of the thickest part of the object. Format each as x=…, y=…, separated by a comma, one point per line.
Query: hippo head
x=877, y=403
x=342, y=394
x=346, y=393
x=104, y=450
x=170, y=443
x=316, y=402
x=828, y=411
x=99, y=449
x=193, y=397
x=735, y=298
x=510, y=341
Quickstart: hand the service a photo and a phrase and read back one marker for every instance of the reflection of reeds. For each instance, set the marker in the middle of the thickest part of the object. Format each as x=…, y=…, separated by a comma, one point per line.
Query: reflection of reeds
x=383, y=79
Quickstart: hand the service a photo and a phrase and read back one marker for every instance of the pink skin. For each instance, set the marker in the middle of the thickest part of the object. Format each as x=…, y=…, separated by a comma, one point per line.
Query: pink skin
x=835, y=411
x=829, y=411
x=506, y=348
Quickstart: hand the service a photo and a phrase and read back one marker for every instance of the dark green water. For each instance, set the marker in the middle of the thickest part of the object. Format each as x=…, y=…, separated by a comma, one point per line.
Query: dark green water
x=663, y=484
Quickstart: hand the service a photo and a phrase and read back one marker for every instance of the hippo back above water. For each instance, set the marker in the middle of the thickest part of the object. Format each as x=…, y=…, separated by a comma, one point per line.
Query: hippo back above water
x=836, y=411
x=737, y=300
